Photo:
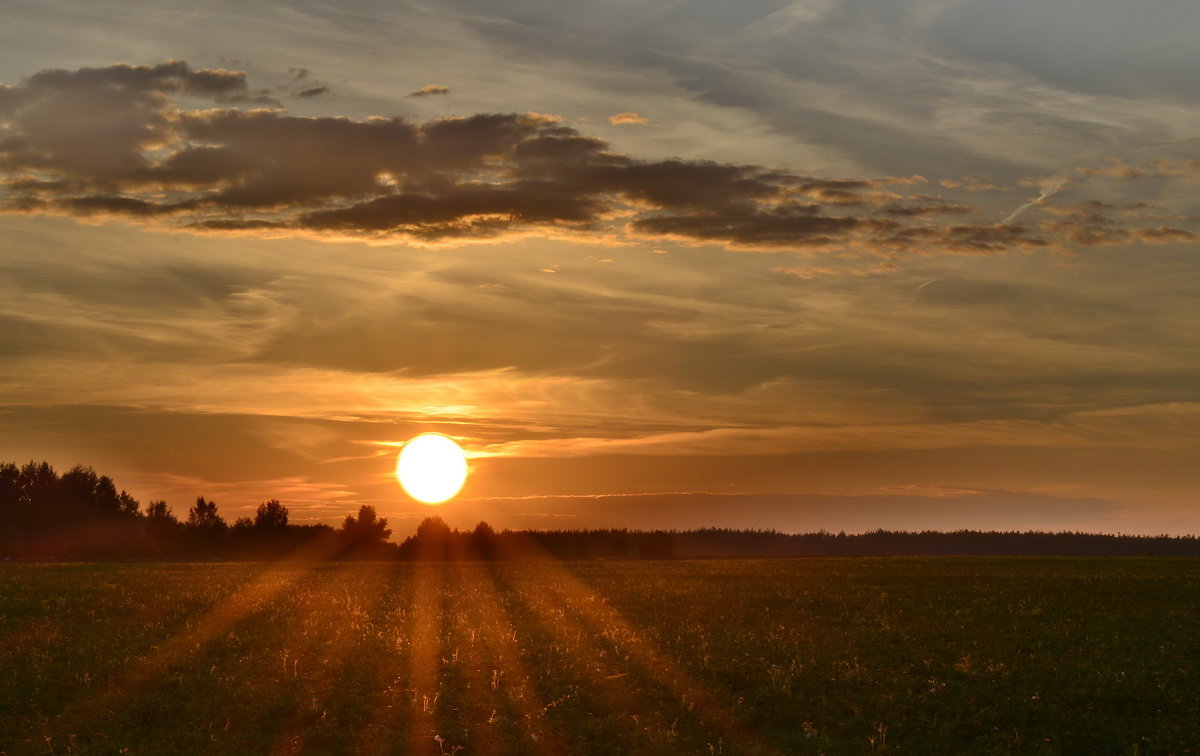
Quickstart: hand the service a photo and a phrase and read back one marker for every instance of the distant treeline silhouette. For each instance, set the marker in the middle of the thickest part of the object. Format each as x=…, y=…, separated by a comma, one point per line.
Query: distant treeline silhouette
x=435, y=540
x=81, y=515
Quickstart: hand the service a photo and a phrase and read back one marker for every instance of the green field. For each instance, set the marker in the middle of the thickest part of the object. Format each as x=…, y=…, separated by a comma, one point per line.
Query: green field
x=952, y=655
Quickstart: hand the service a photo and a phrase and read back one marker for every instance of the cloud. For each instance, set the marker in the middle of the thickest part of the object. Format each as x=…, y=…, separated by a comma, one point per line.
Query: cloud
x=810, y=272
x=313, y=92
x=1091, y=224
x=120, y=142
x=629, y=118
x=430, y=90
x=923, y=205
x=784, y=226
x=1164, y=235
x=968, y=183
x=1117, y=169
x=1117, y=428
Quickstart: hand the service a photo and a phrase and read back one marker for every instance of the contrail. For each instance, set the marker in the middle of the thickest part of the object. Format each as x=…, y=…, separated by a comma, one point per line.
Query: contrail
x=917, y=293
x=1049, y=187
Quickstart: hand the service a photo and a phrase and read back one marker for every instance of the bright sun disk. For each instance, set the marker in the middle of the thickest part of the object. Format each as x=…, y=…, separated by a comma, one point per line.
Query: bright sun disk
x=431, y=468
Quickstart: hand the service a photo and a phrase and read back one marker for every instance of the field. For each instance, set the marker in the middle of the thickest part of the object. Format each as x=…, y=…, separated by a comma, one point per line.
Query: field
x=909, y=655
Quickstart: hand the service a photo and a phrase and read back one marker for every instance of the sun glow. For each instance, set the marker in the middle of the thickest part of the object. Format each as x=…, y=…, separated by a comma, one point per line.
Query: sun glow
x=431, y=468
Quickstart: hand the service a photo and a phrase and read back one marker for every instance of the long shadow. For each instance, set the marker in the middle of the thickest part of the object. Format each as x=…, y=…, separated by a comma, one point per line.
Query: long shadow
x=271, y=582
x=521, y=698
x=334, y=618
x=575, y=614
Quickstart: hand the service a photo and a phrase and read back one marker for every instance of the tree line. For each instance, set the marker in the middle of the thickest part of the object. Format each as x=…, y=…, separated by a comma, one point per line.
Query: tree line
x=435, y=540
x=82, y=515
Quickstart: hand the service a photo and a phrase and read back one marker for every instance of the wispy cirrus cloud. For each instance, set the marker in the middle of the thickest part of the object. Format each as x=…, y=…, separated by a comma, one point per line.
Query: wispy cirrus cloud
x=1080, y=429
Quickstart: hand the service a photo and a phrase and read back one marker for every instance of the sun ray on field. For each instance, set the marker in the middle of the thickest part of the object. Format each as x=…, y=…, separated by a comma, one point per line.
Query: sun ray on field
x=332, y=616
x=566, y=632
x=393, y=705
x=490, y=611
x=510, y=678
x=245, y=601
x=425, y=647
x=473, y=660
x=576, y=617
x=389, y=703
x=593, y=615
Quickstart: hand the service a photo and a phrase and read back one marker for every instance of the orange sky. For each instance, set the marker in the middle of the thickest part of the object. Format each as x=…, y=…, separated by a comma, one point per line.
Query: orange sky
x=816, y=276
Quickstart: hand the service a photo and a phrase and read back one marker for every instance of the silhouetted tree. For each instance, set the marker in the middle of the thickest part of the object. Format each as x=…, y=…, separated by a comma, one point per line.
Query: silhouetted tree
x=206, y=529
x=433, y=529
x=81, y=514
x=127, y=504
x=160, y=511
x=84, y=495
x=38, y=484
x=431, y=541
x=271, y=537
x=484, y=544
x=162, y=526
x=14, y=510
x=78, y=514
x=365, y=536
x=271, y=515
x=203, y=516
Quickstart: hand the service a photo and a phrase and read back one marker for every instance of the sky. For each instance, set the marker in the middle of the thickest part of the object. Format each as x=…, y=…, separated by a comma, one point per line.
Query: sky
x=841, y=264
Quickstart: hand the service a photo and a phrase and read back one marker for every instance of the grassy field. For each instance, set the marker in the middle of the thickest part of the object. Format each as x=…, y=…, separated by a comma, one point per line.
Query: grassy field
x=954, y=655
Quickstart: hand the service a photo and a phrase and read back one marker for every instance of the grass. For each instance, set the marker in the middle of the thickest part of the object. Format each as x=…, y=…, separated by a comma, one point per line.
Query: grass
x=907, y=655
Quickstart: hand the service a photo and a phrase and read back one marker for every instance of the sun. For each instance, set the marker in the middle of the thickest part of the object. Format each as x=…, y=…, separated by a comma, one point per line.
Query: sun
x=431, y=467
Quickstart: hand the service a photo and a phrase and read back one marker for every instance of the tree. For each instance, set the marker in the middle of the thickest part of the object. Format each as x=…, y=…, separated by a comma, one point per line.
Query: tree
x=271, y=515
x=127, y=504
x=484, y=543
x=206, y=530
x=433, y=530
x=433, y=540
x=38, y=483
x=161, y=524
x=368, y=527
x=203, y=516
x=83, y=495
x=159, y=511
x=366, y=534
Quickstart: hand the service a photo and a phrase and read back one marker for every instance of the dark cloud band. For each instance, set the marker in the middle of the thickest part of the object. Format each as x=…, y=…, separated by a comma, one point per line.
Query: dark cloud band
x=120, y=141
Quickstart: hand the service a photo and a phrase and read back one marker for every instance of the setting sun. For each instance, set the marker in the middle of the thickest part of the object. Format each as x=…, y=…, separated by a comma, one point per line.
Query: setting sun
x=776, y=399
x=431, y=468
